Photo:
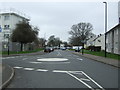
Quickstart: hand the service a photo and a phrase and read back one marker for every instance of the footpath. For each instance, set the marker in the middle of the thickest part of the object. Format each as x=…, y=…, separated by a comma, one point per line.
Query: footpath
x=109, y=61
x=7, y=72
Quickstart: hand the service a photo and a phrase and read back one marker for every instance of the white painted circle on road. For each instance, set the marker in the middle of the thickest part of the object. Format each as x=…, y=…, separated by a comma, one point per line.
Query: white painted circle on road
x=52, y=59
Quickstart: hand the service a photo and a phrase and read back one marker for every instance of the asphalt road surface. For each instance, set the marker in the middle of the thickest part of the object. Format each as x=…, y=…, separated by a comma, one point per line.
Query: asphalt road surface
x=61, y=69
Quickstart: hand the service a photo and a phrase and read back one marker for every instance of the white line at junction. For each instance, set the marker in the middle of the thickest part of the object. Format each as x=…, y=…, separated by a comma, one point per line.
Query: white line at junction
x=80, y=59
x=43, y=70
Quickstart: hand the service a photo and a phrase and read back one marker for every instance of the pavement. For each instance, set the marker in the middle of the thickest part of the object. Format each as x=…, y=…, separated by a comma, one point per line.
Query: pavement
x=109, y=61
x=7, y=72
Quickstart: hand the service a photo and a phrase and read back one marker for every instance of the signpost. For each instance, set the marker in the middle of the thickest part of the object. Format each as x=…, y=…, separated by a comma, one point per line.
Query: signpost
x=0, y=29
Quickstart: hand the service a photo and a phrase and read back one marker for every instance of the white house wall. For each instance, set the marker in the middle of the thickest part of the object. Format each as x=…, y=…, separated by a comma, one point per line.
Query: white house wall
x=101, y=43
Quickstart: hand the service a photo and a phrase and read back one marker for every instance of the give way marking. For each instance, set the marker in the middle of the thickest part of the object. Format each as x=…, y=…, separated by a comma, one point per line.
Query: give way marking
x=82, y=80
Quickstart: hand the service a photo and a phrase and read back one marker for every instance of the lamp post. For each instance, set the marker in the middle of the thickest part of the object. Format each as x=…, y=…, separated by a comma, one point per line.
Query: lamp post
x=105, y=24
x=8, y=45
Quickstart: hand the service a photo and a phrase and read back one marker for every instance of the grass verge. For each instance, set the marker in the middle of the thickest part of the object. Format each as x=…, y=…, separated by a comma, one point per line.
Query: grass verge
x=21, y=52
x=102, y=53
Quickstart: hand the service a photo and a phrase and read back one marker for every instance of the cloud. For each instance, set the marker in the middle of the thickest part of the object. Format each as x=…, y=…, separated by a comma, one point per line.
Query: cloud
x=57, y=18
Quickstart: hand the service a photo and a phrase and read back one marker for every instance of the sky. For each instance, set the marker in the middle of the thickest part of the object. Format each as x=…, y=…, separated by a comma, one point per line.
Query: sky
x=57, y=18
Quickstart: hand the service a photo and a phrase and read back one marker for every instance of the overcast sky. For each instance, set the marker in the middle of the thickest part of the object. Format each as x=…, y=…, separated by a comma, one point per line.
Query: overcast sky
x=56, y=18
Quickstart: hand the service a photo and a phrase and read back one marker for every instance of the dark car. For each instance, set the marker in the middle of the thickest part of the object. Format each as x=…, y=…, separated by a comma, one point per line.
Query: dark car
x=77, y=49
x=47, y=49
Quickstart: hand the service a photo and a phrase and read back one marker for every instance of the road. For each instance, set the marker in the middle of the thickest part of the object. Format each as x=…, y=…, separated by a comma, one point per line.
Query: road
x=61, y=69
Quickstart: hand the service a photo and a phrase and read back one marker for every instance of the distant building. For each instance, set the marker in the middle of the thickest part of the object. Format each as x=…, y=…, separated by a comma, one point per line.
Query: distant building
x=8, y=21
x=100, y=41
x=97, y=41
x=113, y=40
x=90, y=42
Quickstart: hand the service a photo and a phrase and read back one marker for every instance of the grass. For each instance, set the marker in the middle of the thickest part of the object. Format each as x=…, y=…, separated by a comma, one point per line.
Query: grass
x=102, y=53
x=21, y=52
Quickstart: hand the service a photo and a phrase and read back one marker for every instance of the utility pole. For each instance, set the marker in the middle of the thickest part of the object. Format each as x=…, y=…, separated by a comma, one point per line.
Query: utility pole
x=105, y=25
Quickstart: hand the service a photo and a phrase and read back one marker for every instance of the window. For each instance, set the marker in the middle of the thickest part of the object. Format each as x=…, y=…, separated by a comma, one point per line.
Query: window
x=99, y=40
x=6, y=26
x=7, y=17
x=6, y=35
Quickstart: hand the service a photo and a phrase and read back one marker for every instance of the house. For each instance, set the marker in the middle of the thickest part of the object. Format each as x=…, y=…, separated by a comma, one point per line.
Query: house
x=113, y=40
x=97, y=41
x=100, y=41
x=8, y=21
x=90, y=42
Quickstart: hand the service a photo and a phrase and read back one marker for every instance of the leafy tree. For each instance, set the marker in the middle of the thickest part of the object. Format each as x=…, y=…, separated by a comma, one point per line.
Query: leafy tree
x=53, y=41
x=24, y=33
x=42, y=42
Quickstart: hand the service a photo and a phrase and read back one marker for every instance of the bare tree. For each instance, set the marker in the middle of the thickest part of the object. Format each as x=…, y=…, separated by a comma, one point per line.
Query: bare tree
x=80, y=32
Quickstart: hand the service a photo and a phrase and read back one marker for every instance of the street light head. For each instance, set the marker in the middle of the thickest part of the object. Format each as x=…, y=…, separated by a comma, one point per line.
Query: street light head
x=104, y=2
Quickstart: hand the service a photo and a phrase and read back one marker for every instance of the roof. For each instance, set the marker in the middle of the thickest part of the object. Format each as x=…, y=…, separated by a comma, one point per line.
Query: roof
x=117, y=26
x=12, y=13
x=98, y=36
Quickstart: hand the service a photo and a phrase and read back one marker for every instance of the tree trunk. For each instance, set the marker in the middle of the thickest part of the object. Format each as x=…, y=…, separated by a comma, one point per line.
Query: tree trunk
x=21, y=47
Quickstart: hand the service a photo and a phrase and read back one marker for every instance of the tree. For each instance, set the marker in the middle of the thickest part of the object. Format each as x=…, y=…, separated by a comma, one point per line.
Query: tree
x=54, y=41
x=42, y=42
x=24, y=33
x=75, y=41
x=80, y=33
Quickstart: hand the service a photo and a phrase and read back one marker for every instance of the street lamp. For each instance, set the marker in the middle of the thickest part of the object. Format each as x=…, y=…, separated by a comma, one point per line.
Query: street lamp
x=105, y=24
x=8, y=44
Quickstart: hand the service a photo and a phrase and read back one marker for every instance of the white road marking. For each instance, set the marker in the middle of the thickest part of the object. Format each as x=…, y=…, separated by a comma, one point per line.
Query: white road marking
x=35, y=62
x=8, y=57
x=79, y=80
x=65, y=71
x=18, y=67
x=92, y=80
x=43, y=70
x=52, y=59
x=29, y=69
x=59, y=54
x=80, y=59
x=84, y=79
x=24, y=58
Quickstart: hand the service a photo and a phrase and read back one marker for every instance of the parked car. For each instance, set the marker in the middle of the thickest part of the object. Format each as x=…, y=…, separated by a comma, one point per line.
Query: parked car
x=77, y=49
x=51, y=49
x=63, y=48
x=47, y=49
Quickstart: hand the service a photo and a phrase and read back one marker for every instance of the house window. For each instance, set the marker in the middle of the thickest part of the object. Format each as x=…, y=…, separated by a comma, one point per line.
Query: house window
x=6, y=17
x=6, y=26
x=6, y=35
x=99, y=40
x=117, y=31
